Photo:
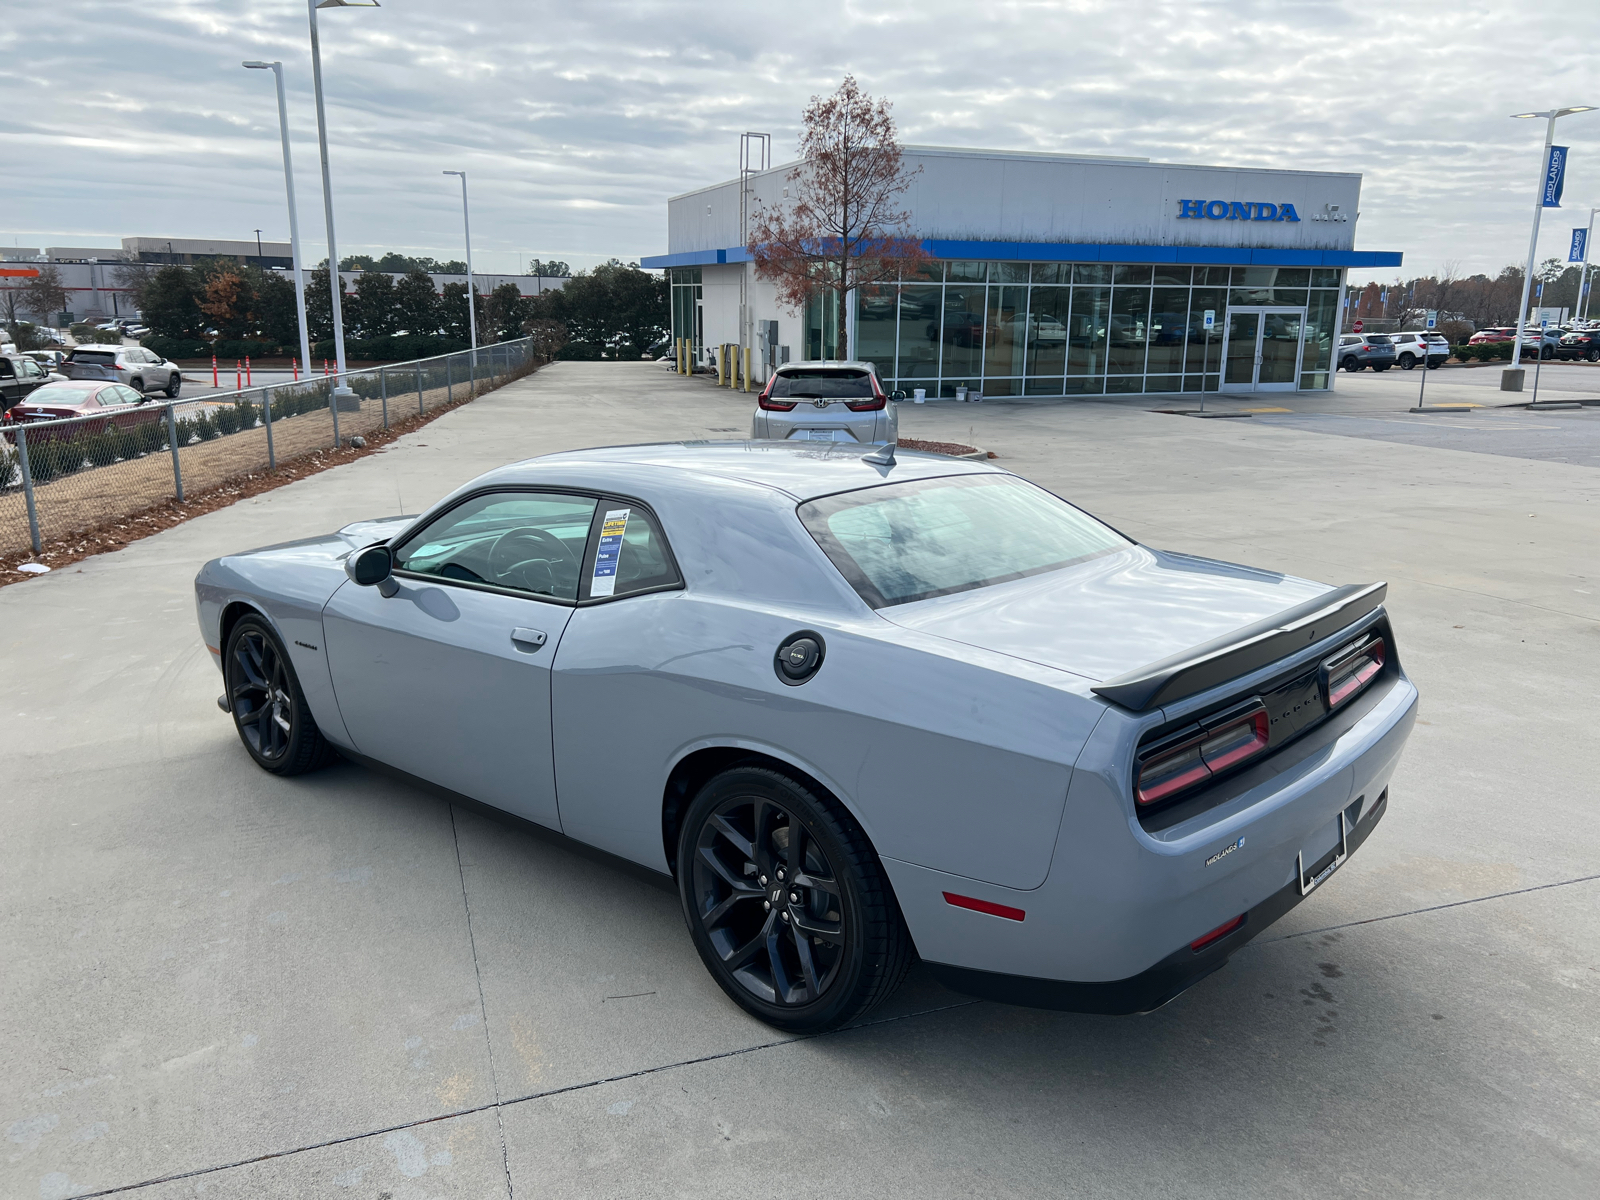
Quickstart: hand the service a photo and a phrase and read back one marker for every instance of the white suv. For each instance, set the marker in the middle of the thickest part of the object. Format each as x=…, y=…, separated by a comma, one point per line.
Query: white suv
x=1412, y=348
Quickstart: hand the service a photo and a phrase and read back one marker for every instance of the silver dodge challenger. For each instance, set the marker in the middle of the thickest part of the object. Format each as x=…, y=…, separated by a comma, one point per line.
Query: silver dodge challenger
x=860, y=708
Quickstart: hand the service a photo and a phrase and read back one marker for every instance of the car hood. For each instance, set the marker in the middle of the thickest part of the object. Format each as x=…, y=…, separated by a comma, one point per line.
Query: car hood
x=1110, y=615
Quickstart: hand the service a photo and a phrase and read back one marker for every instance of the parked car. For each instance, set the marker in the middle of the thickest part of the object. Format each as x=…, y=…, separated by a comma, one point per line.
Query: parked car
x=1543, y=342
x=1497, y=334
x=20, y=375
x=141, y=369
x=117, y=402
x=825, y=402
x=50, y=360
x=1580, y=344
x=1412, y=348
x=873, y=706
x=1360, y=350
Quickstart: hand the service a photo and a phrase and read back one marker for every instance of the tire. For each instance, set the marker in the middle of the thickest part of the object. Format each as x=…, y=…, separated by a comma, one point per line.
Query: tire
x=1592, y=356
x=1435, y=365
x=269, y=709
x=137, y=385
x=822, y=953
x=1546, y=353
x=1384, y=367
x=1407, y=361
x=1350, y=364
x=173, y=386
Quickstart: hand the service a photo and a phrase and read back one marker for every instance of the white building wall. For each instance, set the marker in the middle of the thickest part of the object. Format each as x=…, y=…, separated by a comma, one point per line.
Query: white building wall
x=990, y=195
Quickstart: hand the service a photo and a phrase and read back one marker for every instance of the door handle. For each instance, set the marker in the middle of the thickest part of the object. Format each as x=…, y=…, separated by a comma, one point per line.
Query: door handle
x=527, y=639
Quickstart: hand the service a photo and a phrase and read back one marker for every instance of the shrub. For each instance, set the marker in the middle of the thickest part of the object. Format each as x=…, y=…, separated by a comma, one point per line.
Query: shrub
x=171, y=347
x=150, y=435
x=205, y=426
x=101, y=448
x=10, y=467
x=246, y=348
x=391, y=348
x=48, y=459
x=226, y=420
x=579, y=352
x=126, y=442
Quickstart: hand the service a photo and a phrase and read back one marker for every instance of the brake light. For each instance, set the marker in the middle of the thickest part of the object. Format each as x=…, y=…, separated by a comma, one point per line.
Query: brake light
x=764, y=401
x=1191, y=757
x=878, y=401
x=1347, y=672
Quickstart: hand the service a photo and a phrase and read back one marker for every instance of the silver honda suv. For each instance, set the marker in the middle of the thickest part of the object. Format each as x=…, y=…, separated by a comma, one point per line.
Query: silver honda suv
x=141, y=369
x=1360, y=350
x=826, y=402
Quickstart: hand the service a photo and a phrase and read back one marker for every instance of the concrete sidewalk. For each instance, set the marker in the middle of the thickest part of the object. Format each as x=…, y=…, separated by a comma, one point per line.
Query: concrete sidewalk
x=252, y=987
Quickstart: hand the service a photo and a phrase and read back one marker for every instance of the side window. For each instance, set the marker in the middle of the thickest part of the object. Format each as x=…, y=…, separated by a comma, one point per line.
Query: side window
x=124, y=395
x=630, y=555
x=6, y=370
x=530, y=542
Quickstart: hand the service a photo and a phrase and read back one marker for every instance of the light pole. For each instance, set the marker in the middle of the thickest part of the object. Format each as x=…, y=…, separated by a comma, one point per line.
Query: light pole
x=1583, y=275
x=294, y=219
x=466, y=226
x=341, y=389
x=1551, y=116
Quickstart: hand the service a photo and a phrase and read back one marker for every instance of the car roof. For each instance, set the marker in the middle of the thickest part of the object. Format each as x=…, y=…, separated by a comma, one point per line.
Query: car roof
x=804, y=471
x=76, y=385
x=828, y=365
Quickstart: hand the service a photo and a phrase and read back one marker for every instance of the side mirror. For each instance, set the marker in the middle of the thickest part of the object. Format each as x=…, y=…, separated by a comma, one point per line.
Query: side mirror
x=897, y=394
x=372, y=567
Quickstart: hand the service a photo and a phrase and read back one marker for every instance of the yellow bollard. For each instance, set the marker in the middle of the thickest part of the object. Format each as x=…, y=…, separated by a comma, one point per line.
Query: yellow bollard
x=683, y=368
x=722, y=361
x=747, y=368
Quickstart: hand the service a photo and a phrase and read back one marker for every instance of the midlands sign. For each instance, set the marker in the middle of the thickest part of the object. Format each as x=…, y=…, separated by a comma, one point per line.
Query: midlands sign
x=1236, y=210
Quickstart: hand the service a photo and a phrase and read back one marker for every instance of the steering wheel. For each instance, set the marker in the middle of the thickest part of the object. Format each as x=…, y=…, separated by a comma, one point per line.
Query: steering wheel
x=517, y=549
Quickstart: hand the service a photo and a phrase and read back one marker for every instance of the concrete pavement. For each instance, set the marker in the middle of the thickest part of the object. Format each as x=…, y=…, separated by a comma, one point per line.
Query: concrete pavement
x=344, y=986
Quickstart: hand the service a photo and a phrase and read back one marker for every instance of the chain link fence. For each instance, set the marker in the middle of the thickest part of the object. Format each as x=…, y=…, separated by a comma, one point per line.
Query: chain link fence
x=61, y=477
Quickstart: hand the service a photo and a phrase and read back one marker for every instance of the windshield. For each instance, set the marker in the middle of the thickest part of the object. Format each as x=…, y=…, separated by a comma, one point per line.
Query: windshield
x=822, y=384
x=912, y=541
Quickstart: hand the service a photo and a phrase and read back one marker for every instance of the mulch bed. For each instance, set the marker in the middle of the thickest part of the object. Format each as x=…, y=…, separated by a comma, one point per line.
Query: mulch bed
x=951, y=448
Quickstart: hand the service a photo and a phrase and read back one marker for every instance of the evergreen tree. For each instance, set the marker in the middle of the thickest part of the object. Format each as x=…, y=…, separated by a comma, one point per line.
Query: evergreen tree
x=416, y=304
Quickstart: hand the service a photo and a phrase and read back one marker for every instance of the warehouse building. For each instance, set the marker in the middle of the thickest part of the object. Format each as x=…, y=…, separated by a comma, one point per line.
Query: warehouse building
x=1053, y=275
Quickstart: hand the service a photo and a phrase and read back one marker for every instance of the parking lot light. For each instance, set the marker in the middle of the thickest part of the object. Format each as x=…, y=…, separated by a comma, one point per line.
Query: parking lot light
x=466, y=225
x=1551, y=117
x=294, y=220
x=335, y=282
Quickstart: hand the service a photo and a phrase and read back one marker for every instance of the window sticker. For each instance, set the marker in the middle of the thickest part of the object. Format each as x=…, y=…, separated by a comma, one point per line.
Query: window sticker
x=609, y=552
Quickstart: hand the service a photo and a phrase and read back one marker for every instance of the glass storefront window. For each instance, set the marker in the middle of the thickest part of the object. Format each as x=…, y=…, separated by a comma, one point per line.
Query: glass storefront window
x=919, y=332
x=925, y=271
x=1169, y=329
x=822, y=326
x=962, y=332
x=1324, y=277
x=1130, y=328
x=1086, y=331
x=986, y=329
x=1007, y=331
x=1049, y=310
x=875, y=329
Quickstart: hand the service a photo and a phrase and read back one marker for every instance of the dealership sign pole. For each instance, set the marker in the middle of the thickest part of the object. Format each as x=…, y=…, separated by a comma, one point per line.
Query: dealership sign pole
x=1552, y=175
x=1580, y=254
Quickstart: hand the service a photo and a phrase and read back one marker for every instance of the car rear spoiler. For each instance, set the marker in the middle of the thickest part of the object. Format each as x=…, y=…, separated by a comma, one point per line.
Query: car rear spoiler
x=1244, y=650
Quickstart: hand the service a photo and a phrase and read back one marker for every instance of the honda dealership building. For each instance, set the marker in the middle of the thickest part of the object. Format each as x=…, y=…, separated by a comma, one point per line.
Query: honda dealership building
x=1053, y=275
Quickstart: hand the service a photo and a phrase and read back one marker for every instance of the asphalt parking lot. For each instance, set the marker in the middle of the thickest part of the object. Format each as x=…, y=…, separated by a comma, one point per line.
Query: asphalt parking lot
x=225, y=984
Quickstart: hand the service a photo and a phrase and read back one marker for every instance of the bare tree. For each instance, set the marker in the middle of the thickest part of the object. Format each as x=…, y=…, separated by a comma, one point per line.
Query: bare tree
x=843, y=229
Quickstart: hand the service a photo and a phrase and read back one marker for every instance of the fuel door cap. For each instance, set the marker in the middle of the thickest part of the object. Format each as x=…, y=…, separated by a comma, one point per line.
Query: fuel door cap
x=799, y=656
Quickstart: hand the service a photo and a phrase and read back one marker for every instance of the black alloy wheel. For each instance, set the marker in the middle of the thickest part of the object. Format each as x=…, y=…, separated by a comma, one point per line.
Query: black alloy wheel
x=787, y=902
x=1350, y=364
x=173, y=385
x=1407, y=361
x=1592, y=356
x=1545, y=353
x=268, y=707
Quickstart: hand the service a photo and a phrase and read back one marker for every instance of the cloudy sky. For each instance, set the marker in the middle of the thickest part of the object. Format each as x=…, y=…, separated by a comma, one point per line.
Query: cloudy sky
x=577, y=120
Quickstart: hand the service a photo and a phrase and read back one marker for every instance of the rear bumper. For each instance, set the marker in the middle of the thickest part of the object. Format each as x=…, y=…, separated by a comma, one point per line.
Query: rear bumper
x=1159, y=984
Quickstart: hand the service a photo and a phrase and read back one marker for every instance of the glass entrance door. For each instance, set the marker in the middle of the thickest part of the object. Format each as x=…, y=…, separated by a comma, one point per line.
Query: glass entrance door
x=1263, y=349
x=1239, y=358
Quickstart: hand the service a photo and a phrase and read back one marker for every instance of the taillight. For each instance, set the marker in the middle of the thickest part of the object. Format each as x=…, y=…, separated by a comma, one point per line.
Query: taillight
x=878, y=401
x=1192, y=756
x=1217, y=934
x=1347, y=672
x=771, y=405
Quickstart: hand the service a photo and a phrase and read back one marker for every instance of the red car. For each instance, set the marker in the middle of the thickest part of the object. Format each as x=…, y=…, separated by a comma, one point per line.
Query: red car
x=117, y=402
x=1492, y=335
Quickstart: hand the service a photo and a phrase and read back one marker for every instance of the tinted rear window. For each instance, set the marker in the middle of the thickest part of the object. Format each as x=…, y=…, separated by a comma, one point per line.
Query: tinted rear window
x=932, y=537
x=831, y=385
x=1374, y=340
x=95, y=358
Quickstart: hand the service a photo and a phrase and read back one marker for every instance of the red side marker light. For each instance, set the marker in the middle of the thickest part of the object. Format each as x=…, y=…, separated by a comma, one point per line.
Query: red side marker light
x=1217, y=934
x=988, y=906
